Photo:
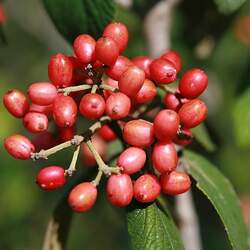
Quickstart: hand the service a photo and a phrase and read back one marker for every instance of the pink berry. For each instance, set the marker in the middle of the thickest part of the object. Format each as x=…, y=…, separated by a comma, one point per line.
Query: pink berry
x=50, y=178
x=143, y=62
x=164, y=157
x=193, y=83
x=166, y=124
x=132, y=160
x=82, y=197
x=175, y=183
x=146, y=93
x=92, y=106
x=18, y=146
x=139, y=133
x=146, y=188
x=109, y=82
x=16, y=103
x=47, y=110
x=117, y=106
x=107, y=133
x=184, y=137
x=174, y=58
x=42, y=93
x=171, y=101
x=119, y=190
x=35, y=122
x=131, y=81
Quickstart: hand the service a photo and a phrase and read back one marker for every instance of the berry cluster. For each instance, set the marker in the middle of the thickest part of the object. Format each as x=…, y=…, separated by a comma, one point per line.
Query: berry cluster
x=118, y=92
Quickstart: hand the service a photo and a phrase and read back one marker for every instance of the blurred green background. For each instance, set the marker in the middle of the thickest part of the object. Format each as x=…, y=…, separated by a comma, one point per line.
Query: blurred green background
x=218, y=43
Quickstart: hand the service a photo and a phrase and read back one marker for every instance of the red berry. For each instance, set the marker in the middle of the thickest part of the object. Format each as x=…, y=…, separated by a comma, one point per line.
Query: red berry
x=82, y=197
x=50, y=178
x=184, y=137
x=60, y=70
x=66, y=134
x=175, y=183
x=112, y=83
x=174, y=58
x=119, y=33
x=193, y=113
x=164, y=157
x=107, y=133
x=84, y=48
x=42, y=93
x=119, y=67
x=162, y=71
x=117, y=106
x=143, y=62
x=106, y=50
x=18, y=146
x=43, y=140
x=47, y=110
x=35, y=122
x=119, y=190
x=100, y=146
x=146, y=93
x=166, y=124
x=64, y=111
x=16, y=103
x=131, y=81
x=92, y=106
x=139, y=133
x=171, y=101
x=132, y=160
x=193, y=83
x=146, y=188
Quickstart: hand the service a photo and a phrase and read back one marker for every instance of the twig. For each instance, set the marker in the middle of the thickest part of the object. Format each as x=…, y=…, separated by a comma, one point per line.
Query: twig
x=108, y=87
x=68, y=90
x=72, y=166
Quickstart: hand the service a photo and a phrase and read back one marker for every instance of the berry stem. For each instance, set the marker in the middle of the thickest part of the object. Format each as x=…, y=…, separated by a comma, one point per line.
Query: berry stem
x=167, y=89
x=72, y=166
x=101, y=164
x=68, y=90
x=98, y=178
x=108, y=87
x=94, y=88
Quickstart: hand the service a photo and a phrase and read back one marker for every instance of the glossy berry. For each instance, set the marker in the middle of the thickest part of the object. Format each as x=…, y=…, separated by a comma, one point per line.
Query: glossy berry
x=107, y=133
x=162, y=71
x=42, y=93
x=16, y=103
x=35, y=122
x=174, y=58
x=193, y=113
x=184, y=137
x=109, y=81
x=166, y=124
x=92, y=106
x=146, y=93
x=164, y=157
x=146, y=188
x=171, y=101
x=60, y=70
x=119, y=67
x=131, y=81
x=100, y=146
x=175, y=183
x=119, y=33
x=82, y=197
x=18, y=146
x=64, y=111
x=84, y=48
x=47, y=110
x=138, y=133
x=50, y=178
x=117, y=106
x=106, y=51
x=132, y=160
x=119, y=190
x=193, y=83
x=143, y=62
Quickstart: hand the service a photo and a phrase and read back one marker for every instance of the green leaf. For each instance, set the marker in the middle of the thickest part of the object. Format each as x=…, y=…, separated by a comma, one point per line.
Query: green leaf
x=72, y=18
x=228, y=6
x=241, y=120
x=152, y=228
x=221, y=194
x=202, y=136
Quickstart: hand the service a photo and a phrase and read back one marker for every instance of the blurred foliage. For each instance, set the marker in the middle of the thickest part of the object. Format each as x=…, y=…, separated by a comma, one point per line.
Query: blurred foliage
x=26, y=209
